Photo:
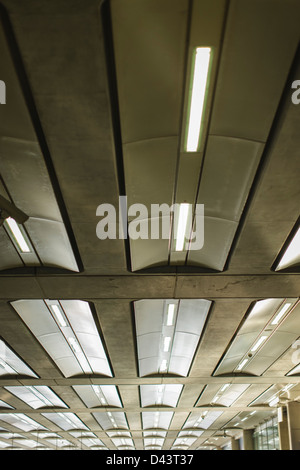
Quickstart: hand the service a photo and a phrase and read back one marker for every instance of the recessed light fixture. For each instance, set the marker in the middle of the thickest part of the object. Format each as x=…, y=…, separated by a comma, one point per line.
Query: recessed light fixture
x=258, y=343
x=170, y=314
x=16, y=232
x=281, y=312
x=167, y=341
x=200, y=71
x=58, y=314
x=242, y=364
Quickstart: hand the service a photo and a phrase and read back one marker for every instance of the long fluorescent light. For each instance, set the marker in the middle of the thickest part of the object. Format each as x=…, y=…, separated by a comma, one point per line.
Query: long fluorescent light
x=170, y=314
x=197, y=98
x=258, y=343
x=167, y=341
x=182, y=226
x=17, y=234
x=241, y=365
x=280, y=314
x=58, y=314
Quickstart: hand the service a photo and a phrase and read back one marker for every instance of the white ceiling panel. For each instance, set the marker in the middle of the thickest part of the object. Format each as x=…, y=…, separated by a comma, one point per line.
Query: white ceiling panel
x=182, y=334
x=71, y=339
x=269, y=329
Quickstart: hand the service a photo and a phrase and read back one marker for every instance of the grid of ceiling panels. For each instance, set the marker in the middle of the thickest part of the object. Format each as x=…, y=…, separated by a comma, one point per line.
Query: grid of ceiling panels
x=62, y=392
x=38, y=416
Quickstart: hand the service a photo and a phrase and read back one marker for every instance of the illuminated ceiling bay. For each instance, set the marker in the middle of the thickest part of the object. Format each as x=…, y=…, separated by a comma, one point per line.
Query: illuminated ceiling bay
x=218, y=171
x=168, y=333
x=67, y=331
x=27, y=179
x=270, y=328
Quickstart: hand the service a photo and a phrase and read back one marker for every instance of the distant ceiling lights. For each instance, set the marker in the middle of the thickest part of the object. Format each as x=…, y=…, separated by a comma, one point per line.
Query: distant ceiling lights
x=200, y=71
x=291, y=255
x=17, y=234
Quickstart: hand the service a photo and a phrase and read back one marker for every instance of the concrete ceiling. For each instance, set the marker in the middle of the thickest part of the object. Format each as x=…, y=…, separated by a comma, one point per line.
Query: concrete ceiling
x=89, y=106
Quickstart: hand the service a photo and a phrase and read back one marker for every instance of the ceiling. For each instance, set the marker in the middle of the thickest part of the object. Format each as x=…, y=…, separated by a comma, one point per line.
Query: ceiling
x=96, y=104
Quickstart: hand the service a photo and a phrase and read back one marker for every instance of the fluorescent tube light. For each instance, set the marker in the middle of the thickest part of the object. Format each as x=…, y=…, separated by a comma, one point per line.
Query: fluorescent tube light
x=182, y=226
x=258, y=343
x=163, y=366
x=197, y=98
x=167, y=341
x=170, y=315
x=57, y=312
x=225, y=386
x=280, y=314
x=241, y=365
x=273, y=401
x=17, y=235
x=215, y=399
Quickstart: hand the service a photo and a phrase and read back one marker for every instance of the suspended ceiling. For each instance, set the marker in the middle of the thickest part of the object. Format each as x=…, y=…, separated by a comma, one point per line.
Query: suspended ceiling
x=96, y=105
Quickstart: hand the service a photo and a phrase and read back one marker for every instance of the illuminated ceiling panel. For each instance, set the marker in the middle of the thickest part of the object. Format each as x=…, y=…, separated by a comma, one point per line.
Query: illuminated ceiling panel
x=25, y=180
x=221, y=395
x=111, y=420
x=156, y=419
x=39, y=396
x=289, y=258
x=98, y=395
x=269, y=329
x=65, y=420
x=67, y=331
x=168, y=333
x=11, y=364
x=163, y=394
x=203, y=420
x=21, y=421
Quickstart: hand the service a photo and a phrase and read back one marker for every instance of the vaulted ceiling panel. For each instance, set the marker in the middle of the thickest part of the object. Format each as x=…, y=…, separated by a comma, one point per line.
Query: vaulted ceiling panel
x=25, y=178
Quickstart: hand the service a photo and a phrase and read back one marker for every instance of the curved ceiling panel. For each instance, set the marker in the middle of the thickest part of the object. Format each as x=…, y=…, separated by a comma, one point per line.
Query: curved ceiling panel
x=25, y=180
x=67, y=331
x=168, y=333
x=267, y=332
